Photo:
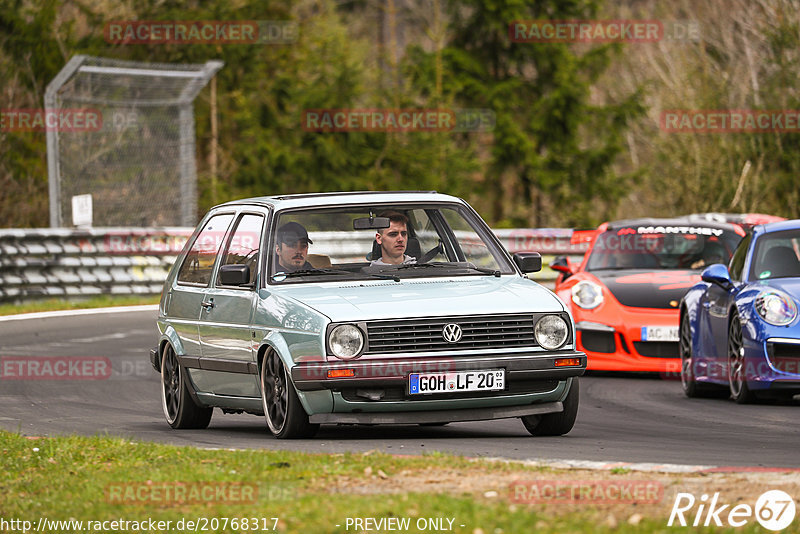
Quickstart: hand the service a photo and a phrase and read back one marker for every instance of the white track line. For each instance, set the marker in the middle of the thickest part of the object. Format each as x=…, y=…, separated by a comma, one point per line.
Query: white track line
x=89, y=311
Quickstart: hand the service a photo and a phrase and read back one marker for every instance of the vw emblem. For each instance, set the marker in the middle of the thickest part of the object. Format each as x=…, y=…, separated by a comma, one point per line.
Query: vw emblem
x=452, y=333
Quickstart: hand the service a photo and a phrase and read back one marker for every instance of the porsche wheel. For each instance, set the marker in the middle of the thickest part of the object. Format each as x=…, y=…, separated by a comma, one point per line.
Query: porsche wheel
x=555, y=424
x=285, y=416
x=737, y=372
x=692, y=388
x=180, y=409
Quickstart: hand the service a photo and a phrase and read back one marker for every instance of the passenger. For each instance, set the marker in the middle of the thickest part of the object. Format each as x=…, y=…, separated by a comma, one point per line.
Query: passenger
x=393, y=241
x=291, y=248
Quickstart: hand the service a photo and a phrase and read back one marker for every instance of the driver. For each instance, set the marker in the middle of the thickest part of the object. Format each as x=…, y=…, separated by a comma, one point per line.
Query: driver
x=393, y=241
x=291, y=249
x=712, y=253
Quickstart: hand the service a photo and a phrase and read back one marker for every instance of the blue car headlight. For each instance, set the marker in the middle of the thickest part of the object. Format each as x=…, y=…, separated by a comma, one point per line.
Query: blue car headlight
x=587, y=295
x=776, y=308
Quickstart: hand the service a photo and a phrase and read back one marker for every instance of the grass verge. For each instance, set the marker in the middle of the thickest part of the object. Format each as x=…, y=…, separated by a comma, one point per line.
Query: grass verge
x=101, y=301
x=104, y=479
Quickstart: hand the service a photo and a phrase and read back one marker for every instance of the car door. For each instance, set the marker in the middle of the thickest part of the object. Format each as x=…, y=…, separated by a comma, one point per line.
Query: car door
x=225, y=335
x=718, y=301
x=194, y=277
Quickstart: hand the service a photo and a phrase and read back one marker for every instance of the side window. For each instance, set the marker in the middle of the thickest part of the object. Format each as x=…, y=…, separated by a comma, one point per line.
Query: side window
x=245, y=244
x=737, y=260
x=199, y=262
x=474, y=247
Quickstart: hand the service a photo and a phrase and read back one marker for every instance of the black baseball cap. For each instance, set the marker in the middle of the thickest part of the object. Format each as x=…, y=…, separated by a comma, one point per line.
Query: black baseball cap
x=292, y=232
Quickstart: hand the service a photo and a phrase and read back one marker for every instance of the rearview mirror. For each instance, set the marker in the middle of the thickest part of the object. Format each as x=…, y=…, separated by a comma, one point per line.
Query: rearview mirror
x=371, y=223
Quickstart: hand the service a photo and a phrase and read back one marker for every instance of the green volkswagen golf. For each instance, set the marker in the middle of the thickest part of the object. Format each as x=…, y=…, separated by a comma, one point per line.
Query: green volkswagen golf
x=361, y=308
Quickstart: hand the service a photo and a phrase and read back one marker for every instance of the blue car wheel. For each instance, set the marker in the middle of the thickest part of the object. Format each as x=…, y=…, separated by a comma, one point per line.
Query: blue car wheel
x=692, y=388
x=737, y=370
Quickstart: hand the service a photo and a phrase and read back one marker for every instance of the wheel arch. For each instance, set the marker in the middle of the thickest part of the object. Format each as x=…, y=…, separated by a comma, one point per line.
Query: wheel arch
x=274, y=342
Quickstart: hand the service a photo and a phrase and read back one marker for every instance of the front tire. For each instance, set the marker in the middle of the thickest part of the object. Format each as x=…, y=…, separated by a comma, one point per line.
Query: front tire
x=737, y=370
x=180, y=409
x=692, y=388
x=285, y=416
x=555, y=424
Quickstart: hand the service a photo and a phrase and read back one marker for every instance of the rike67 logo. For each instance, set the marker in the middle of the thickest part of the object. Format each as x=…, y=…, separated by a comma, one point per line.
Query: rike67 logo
x=774, y=510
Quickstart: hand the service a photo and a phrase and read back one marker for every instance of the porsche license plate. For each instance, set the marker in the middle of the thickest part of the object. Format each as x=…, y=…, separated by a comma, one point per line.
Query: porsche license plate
x=659, y=333
x=456, y=382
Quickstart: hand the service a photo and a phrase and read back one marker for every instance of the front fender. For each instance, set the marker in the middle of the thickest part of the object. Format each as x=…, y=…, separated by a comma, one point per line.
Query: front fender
x=313, y=402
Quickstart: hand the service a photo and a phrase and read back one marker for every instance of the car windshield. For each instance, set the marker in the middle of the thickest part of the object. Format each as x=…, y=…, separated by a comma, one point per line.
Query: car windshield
x=382, y=242
x=662, y=247
x=776, y=255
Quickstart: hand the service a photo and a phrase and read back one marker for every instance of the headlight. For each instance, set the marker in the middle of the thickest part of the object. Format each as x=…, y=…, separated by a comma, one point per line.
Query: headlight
x=346, y=341
x=551, y=332
x=776, y=308
x=587, y=295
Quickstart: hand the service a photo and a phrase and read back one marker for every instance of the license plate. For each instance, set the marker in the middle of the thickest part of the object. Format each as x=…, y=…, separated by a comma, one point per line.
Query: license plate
x=659, y=333
x=459, y=381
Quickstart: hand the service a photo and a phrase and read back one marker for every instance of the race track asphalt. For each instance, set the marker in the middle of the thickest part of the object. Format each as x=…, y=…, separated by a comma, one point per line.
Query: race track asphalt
x=621, y=418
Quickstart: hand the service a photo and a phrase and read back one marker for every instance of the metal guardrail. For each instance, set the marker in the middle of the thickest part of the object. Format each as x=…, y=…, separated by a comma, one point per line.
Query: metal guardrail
x=47, y=263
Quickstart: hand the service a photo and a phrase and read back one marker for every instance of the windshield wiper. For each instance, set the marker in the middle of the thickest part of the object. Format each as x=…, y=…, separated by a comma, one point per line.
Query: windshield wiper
x=386, y=276
x=313, y=272
x=418, y=265
x=484, y=270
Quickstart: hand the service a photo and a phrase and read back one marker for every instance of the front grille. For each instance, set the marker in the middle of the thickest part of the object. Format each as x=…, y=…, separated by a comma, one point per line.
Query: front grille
x=597, y=341
x=657, y=349
x=425, y=334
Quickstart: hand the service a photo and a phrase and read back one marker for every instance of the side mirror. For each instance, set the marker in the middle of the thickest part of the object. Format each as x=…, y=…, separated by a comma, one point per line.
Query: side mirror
x=528, y=262
x=562, y=265
x=717, y=274
x=234, y=275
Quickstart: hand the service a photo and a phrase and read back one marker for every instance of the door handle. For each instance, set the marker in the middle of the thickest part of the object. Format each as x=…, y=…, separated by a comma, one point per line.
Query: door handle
x=207, y=304
x=706, y=304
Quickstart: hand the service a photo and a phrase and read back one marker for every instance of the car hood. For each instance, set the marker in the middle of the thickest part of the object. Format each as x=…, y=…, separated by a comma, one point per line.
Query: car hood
x=368, y=300
x=787, y=285
x=648, y=288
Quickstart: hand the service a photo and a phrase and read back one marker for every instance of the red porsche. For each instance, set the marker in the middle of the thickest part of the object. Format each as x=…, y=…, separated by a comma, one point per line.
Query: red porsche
x=624, y=295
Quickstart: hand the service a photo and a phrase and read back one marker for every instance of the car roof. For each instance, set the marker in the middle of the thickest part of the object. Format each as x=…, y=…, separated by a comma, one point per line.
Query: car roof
x=338, y=198
x=674, y=222
x=777, y=226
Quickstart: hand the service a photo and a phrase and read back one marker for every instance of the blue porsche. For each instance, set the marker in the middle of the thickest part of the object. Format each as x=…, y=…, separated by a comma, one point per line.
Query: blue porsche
x=739, y=327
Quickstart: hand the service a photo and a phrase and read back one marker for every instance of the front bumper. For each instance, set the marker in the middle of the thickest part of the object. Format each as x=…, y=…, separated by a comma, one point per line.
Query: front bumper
x=394, y=372
x=616, y=344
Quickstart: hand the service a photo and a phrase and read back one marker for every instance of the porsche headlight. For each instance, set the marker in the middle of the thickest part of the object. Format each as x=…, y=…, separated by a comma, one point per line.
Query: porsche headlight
x=587, y=295
x=346, y=341
x=551, y=332
x=776, y=308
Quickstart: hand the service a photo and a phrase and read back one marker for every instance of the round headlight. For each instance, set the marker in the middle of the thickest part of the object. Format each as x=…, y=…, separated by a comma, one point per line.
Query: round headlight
x=587, y=295
x=551, y=332
x=346, y=341
x=776, y=308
